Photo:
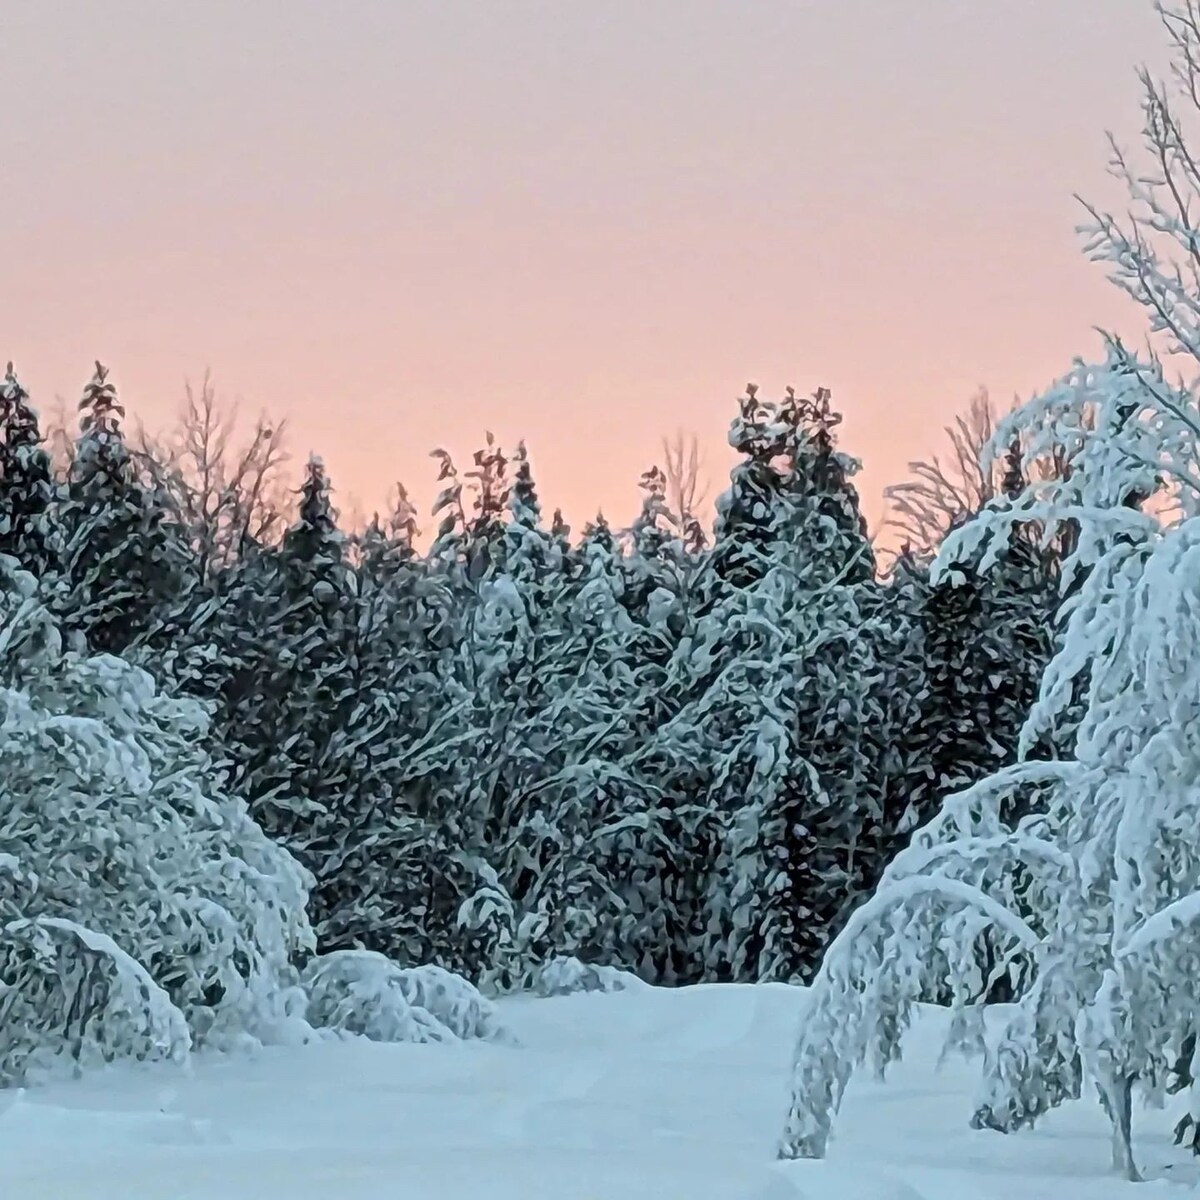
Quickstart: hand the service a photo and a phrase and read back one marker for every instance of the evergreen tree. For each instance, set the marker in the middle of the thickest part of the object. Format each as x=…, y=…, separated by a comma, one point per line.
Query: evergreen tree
x=390, y=878
x=290, y=610
x=780, y=694
x=560, y=531
x=589, y=824
x=967, y=676
x=516, y=648
x=982, y=641
x=27, y=486
x=126, y=569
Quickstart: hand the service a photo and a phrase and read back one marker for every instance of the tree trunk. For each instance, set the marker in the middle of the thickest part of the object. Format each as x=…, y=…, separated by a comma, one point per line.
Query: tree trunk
x=1119, y=1102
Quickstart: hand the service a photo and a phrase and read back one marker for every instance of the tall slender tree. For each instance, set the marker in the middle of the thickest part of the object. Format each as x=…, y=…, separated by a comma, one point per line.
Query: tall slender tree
x=126, y=569
x=27, y=484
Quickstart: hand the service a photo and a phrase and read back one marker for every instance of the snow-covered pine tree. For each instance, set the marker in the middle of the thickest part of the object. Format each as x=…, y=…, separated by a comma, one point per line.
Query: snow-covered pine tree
x=27, y=484
x=447, y=550
x=560, y=531
x=388, y=876
x=835, y=531
x=664, y=765
x=657, y=595
x=126, y=568
x=981, y=642
x=777, y=684
x=470, y=907
x=789, y=457
x=894, y=701
x=280, y=709
x=517, y=657
x=679, y=641
x=590, y=824
x=357, y=842
x=786, y=700
x=653, y=543
x=965, y=659
x=491, y=486
x=141, y=909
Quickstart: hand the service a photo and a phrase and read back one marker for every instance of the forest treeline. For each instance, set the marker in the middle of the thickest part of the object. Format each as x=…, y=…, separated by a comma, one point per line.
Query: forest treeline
x=685, y=752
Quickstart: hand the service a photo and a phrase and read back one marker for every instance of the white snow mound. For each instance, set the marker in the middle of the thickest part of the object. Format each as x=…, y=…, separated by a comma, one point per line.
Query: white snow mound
x=564, y=975
x=364, y=993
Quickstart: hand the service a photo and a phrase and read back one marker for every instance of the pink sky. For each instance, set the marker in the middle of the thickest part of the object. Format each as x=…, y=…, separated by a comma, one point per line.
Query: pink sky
x=402, y=222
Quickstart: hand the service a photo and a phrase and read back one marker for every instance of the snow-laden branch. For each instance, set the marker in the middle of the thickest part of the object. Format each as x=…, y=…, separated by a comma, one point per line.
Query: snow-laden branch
x=1161, y=926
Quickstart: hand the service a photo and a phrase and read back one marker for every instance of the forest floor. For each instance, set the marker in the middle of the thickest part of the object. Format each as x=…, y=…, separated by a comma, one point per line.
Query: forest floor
x=675, y=1095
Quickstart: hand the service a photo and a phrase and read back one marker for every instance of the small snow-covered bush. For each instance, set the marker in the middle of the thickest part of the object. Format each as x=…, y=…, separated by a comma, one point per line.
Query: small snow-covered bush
x=454, y=1002
x=563, y=975
x=131, y=884
x=81, y=996
x=362, y=992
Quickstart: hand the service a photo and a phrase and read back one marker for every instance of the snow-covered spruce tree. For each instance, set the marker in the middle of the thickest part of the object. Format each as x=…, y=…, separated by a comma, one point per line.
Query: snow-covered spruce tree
x=314, y=590
x=654, y=546
x=659, y=574
x=469, y=912
x=592, y=824
x=892, y=696
x=519, y=655
x=980, y=642
x=281, y=667
x=468, y=915
x=384, y=867
x=665, y=765
x=971, y=648
x=27, y=485
x=141, y=910
x=126, y=568
x=691, y=718
x=354, y=840
x=560, y=532
x=778, y=698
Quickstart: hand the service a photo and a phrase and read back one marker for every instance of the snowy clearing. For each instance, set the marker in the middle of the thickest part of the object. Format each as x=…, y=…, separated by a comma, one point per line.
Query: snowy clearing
x=647, y=1093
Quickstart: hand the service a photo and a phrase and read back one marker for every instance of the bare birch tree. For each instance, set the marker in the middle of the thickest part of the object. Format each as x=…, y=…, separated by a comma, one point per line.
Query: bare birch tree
x=946, y=489
x=230, y=491
x=686, y=478
x=58, y=428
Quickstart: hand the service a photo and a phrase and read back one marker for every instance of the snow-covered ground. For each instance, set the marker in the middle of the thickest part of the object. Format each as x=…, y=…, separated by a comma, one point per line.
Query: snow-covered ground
x=639, y=1094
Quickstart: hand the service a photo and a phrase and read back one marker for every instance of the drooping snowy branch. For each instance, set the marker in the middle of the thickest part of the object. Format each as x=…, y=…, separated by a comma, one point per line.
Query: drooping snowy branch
x=1100, y=875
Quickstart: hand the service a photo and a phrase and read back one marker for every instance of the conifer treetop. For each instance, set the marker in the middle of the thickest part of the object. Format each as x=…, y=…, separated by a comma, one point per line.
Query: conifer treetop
x=101, y=411
x=523, y=504
x=101, y=451
x=12, y=386
x=17, y=417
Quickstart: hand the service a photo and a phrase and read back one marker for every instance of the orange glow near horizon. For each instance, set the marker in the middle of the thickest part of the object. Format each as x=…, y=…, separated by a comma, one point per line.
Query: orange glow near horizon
x=400, y=224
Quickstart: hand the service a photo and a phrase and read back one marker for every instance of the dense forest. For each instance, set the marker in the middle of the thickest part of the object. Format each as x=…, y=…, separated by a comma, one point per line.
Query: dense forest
x=681, y=753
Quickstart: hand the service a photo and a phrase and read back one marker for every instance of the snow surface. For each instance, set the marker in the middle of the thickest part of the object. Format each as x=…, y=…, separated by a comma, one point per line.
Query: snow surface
x=675, y=1095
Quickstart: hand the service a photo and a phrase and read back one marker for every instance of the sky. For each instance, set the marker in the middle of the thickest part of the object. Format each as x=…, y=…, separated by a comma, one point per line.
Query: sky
x=400, y=223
